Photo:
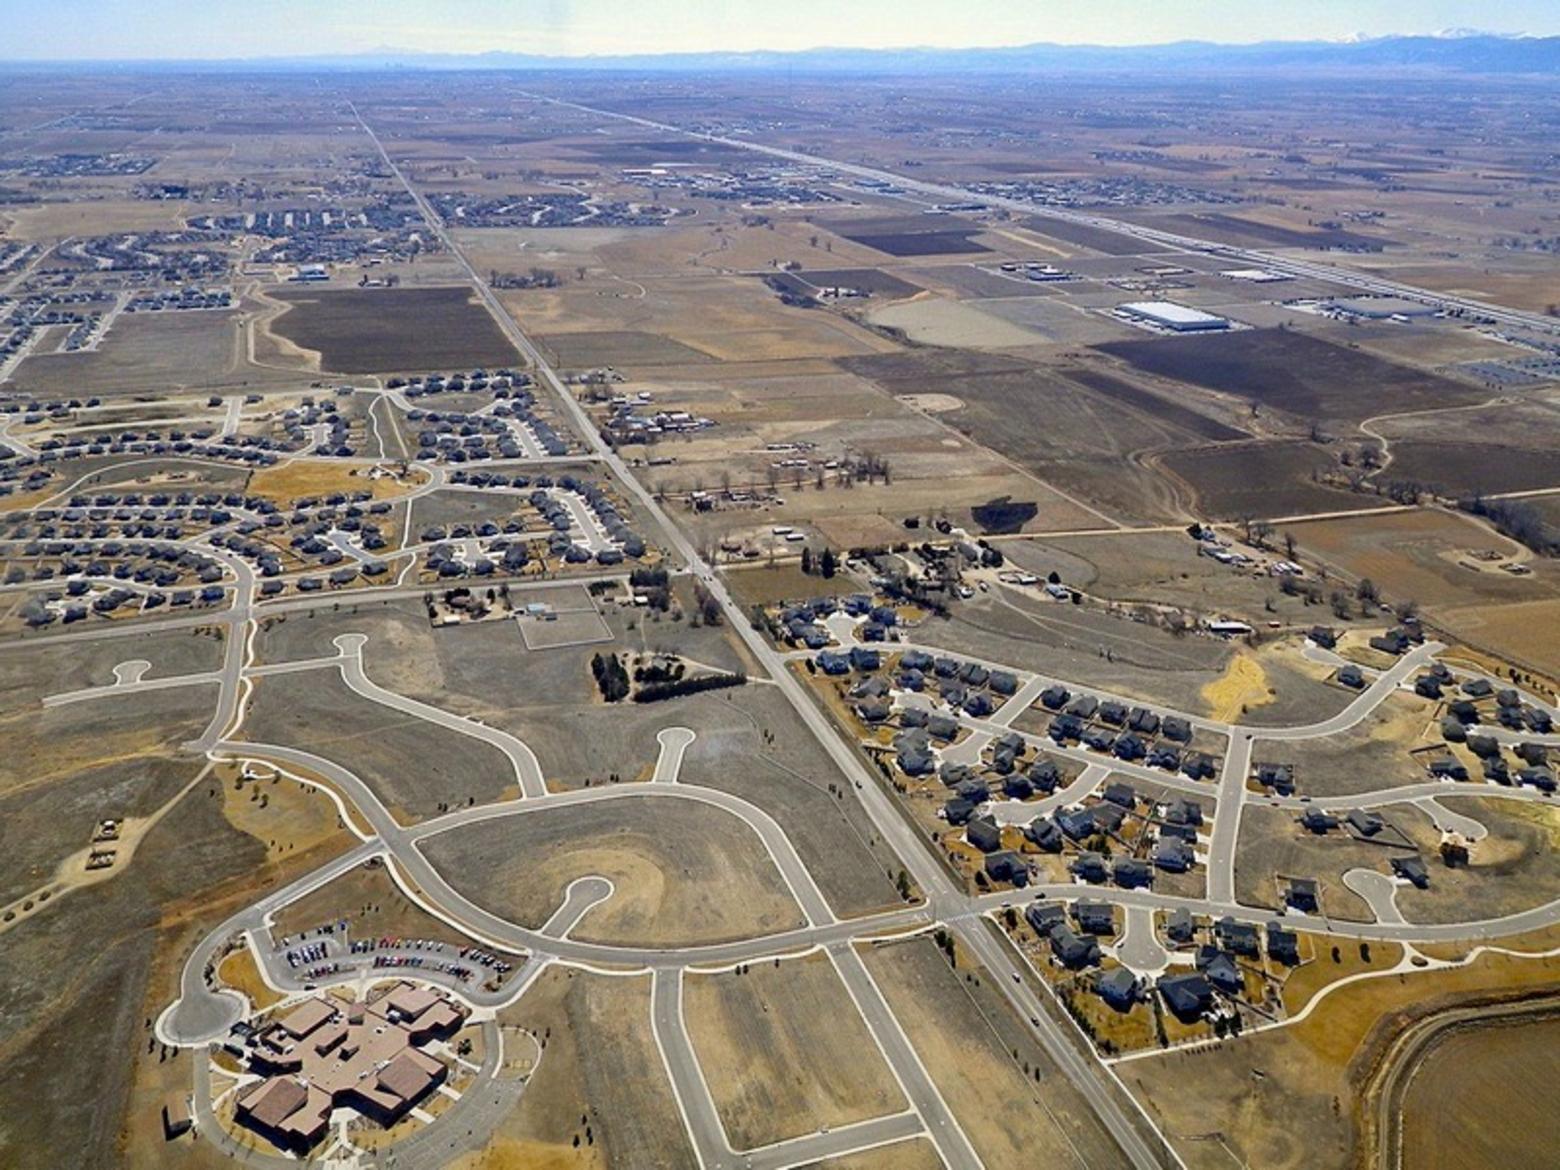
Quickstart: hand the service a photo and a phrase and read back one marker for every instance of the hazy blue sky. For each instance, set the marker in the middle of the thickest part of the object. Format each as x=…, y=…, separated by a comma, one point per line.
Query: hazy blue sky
x=235, y=28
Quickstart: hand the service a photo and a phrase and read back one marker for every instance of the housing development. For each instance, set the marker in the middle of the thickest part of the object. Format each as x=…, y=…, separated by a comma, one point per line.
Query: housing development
x=857, y=614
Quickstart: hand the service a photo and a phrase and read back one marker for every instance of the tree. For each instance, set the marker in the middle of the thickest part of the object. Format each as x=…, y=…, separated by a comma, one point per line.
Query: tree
x=807, y=561
x=826, y=563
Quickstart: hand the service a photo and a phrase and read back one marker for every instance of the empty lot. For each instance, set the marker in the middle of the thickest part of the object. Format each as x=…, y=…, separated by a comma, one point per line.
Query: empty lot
x=685, y=873
x=785, y=1052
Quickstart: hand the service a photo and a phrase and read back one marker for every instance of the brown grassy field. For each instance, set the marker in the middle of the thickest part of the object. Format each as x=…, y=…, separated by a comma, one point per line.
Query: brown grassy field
x=1464, y=1110
x=684, y=872
x=785, y=1051
x=367, y=331
x=599, y=1097
x=287, y=482
x=1287, y=1099
x=1014, y=1112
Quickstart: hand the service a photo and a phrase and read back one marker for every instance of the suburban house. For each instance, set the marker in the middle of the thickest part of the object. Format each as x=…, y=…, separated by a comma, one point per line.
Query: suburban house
x=1187, y=996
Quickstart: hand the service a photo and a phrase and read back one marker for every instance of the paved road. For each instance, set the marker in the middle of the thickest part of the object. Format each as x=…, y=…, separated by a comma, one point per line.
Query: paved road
x=202, y=1014
x=528, y=772
x=1139, y=948
x=953, y=1146
x=674, y=742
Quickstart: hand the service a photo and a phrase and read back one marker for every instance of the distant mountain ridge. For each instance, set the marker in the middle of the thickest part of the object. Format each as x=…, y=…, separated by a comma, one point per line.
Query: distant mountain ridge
x=1460, y=52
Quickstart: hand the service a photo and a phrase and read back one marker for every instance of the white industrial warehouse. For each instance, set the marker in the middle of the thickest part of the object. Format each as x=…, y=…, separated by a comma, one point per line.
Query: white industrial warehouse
x=1171, y=316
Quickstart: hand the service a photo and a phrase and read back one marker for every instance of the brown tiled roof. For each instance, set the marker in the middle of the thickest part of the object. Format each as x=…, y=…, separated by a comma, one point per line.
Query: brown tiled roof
x=307, y=1016
x=405, y=1077
x=274, y=1101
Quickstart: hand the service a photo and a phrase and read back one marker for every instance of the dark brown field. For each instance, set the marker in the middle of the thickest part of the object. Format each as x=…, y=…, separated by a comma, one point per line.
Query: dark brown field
x=375, y=331
x=920, y=243
x=1251, y=233
x=1293, y=372
x=1259, y=479
x=1098, y=239
x=1152, y=404
x=1469, y=468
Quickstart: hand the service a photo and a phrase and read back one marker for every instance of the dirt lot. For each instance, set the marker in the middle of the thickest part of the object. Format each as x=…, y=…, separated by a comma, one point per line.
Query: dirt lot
x=1294, y=372
x=1017, y=1112
x=685, y=873
x=599, y=1098
x=369, y=331
x=41, y=825
x=785, y=1051
x=935, y=321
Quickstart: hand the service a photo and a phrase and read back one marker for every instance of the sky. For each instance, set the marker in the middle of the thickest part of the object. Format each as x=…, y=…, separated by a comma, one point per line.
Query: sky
x=139, y=29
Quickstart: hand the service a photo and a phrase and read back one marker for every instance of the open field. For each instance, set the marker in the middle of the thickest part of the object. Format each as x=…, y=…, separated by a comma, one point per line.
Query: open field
x=1431, y=557
x=1374, y=753
x=370, y=331
x=1014, y=1110
x=685, y=872
x=58, y=742
x=287, y=482
x=1462, y=1107
x=934, y=321
x=1299, y=373
x=318, y=713
x=599, y=1098
x=785, y=1051
x=1268, y=479
x=146, y=353
x=1459, y=469
x=1288, y=1098
x=1051, y=426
